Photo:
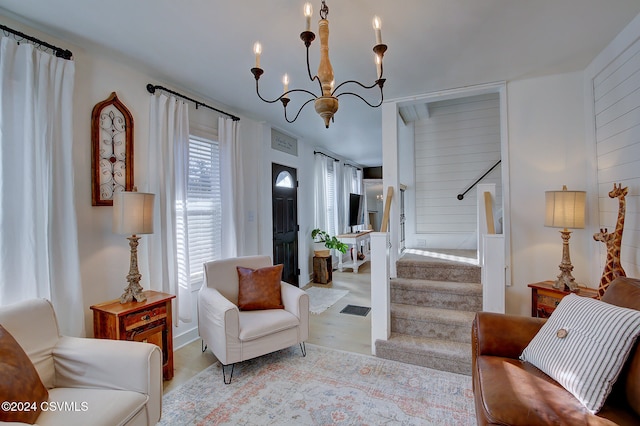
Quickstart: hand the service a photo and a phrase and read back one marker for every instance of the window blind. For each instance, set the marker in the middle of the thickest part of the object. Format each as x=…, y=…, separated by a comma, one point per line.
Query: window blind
x=204, y=205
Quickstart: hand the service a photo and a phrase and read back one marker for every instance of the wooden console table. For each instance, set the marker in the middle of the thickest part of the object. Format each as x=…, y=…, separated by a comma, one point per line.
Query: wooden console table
x=359, y=243
x=149, y=321
x=545, y=298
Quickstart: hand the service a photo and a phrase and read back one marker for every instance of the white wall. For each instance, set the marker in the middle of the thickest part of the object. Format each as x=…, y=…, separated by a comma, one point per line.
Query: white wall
x=611, y=86
x=547, y=150
x=407, y=171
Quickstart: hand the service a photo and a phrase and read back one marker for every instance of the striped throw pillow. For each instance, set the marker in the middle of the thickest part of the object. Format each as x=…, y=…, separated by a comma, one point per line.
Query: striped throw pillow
x=583, y=346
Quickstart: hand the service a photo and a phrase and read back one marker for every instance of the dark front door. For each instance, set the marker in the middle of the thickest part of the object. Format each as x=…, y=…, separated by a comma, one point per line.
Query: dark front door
x=285, y=221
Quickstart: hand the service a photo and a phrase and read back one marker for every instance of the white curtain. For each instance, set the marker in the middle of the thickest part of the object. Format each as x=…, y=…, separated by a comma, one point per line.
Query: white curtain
x=39, y=238
x=325, y=214
x=232, y=188
x=168, y=246
x=345, y=189
x=351, y=183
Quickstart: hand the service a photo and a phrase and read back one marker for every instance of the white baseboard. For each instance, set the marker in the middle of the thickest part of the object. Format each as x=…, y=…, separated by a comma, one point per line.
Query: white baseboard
x=185, y=338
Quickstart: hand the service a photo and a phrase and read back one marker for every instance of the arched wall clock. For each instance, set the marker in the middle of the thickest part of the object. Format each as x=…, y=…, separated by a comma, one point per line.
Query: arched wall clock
x=111, y=150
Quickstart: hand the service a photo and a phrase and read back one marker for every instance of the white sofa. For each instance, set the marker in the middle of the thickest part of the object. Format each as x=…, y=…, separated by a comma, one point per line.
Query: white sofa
x=234, y=335
x=95, y=381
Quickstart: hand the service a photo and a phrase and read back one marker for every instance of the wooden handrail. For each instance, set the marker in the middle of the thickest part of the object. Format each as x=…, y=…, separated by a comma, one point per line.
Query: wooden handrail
x=387, y=208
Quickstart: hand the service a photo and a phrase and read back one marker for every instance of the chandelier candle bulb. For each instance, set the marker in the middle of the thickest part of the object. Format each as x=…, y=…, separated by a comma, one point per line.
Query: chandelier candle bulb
x=308, y=11
x=285, y=83
x=377, y=26
x=257, y=49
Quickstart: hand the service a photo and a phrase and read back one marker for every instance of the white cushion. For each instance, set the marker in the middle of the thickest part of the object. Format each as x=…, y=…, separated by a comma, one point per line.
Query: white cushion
x=256, y=324
x=587, y=360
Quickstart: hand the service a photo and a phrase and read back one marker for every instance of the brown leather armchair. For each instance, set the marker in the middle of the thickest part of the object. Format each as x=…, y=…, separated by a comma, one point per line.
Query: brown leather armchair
x=508, y=391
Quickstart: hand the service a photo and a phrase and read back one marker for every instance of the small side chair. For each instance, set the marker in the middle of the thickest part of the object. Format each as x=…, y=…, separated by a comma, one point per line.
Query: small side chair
x=236, y=335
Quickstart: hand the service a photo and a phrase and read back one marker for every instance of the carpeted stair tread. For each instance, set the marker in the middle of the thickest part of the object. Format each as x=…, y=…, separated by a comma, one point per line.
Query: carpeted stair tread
x=438, y=354
x=432, y=322
x=463, y=288
x=420, y=267
x=437, y=294
x=443, y=256
x=421, y=313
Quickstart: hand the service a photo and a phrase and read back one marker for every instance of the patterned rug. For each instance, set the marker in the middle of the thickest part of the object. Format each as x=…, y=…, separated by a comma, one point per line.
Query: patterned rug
x=327, y=387
x=321, y=299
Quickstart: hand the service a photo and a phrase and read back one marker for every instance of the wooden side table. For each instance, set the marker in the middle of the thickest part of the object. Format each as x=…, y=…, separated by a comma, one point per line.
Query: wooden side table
x=322, y=269
x=545, y=298
x=149, y=321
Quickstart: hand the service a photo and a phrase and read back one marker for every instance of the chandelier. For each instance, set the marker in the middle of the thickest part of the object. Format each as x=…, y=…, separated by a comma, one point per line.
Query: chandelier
x=326, y=104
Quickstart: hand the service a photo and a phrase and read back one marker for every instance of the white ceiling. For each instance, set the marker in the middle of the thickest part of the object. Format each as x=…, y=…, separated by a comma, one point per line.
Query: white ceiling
x=204, y=48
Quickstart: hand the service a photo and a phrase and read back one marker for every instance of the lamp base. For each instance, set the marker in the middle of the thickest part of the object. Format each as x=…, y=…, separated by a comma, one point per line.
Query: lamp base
x=565, y=280
x=131, y=293
x=134, y=290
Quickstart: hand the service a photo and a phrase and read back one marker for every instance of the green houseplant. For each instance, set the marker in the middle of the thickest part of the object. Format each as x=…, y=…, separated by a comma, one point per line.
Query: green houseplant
x=321, y=237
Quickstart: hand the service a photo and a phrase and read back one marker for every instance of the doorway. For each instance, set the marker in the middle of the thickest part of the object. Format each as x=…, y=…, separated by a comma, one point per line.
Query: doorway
x=284, y=189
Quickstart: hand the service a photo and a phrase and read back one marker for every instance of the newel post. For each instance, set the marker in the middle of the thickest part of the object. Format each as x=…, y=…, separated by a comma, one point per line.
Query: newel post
x=380, y=289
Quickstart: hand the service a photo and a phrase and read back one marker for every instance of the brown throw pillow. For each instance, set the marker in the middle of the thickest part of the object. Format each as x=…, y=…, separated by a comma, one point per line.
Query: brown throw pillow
x=20, y=383
x=259, y=288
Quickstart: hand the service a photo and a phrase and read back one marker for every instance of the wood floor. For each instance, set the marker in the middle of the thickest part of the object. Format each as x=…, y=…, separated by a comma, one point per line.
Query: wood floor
x=331, y=328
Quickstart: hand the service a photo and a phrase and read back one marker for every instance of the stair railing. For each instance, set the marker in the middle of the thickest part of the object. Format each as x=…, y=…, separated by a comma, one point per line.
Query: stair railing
x=461, y=196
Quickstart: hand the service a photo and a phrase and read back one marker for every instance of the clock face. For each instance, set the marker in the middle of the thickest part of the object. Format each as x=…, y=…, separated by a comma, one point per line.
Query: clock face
x=112, y=150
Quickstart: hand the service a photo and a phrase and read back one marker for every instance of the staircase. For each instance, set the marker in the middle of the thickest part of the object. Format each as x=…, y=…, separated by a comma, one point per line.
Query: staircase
x=433, y=303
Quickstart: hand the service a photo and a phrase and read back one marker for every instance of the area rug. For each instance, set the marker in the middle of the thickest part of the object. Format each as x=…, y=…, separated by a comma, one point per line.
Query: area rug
x=327, y=387
x=321, y=299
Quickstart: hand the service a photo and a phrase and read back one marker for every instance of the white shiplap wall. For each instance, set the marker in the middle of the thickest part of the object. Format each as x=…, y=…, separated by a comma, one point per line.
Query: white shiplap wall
x=458, y=143
x=616, y=106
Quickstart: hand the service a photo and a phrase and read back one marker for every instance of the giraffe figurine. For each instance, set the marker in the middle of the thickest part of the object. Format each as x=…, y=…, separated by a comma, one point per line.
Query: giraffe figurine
x=613, y=240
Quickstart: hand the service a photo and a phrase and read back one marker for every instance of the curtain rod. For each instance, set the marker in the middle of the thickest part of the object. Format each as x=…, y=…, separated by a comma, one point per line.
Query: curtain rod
x=152, y=89
x=18, y=36
x=352, y=165
x=326, y=155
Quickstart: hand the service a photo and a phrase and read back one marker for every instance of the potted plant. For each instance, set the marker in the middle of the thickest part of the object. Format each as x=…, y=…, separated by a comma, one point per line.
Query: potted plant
x=323, y=241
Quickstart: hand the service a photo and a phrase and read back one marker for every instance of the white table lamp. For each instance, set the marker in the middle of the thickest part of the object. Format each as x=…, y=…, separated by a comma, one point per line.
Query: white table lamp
x=133, y=215
x=565, y=209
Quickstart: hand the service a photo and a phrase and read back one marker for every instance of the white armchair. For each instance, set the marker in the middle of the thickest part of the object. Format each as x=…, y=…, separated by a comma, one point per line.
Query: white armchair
x=234, y=335
x=90, y=381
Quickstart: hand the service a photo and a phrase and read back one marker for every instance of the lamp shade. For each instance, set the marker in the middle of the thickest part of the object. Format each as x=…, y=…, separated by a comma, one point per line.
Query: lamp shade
x=133, y=213
x=565, y=209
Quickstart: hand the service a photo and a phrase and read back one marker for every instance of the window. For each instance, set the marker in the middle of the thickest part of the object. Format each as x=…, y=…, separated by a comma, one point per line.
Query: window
x=284, y=180
x=325, y=188
x=204, y=207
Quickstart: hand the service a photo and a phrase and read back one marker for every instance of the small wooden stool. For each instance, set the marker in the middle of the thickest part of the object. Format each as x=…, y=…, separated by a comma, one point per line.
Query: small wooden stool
x=322, y=269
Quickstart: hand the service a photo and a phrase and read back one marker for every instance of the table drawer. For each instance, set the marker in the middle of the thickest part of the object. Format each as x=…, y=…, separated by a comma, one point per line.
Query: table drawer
x=144, y=317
